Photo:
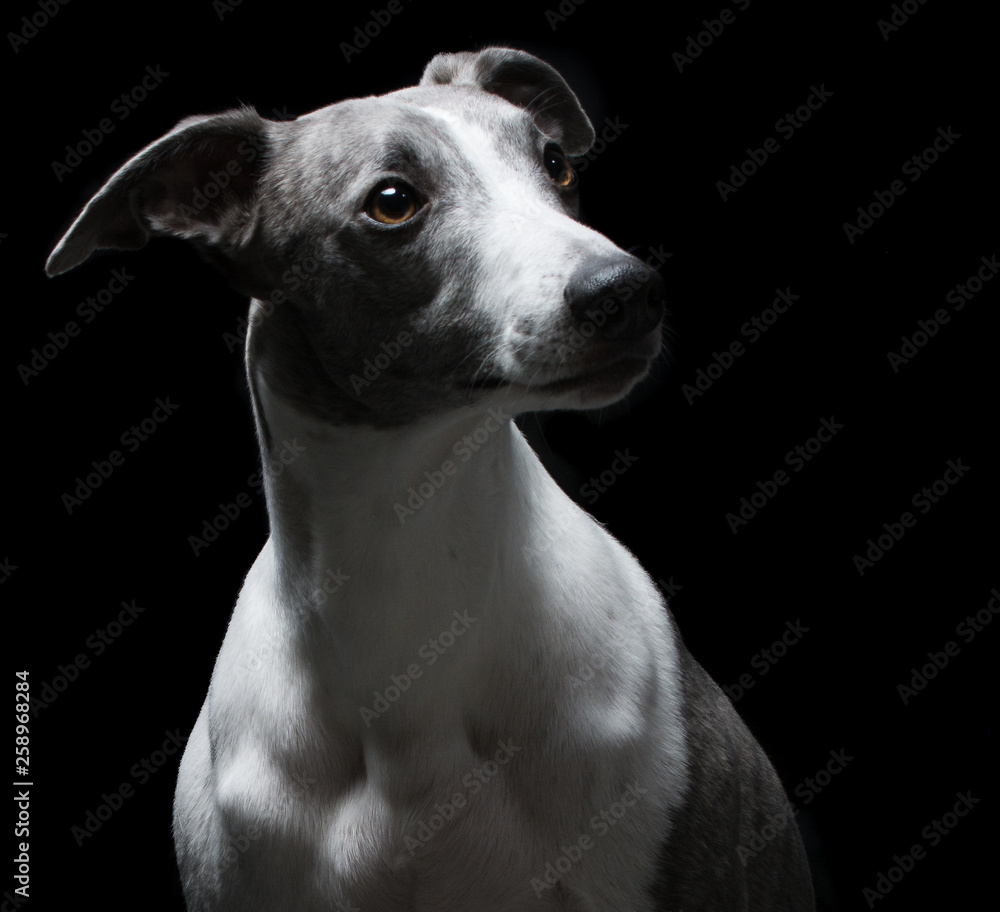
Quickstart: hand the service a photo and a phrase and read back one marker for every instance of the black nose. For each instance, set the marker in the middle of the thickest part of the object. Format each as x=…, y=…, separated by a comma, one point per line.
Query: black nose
x=621, y=297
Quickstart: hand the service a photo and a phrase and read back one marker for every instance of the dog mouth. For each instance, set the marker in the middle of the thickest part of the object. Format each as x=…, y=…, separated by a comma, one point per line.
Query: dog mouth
x=611, y=376
x=602, y=369
x=603, y=378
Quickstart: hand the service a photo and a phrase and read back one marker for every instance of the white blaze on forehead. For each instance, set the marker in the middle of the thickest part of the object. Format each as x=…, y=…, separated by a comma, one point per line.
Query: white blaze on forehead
x=478, y=146
x=528, y=249
x=514, y=193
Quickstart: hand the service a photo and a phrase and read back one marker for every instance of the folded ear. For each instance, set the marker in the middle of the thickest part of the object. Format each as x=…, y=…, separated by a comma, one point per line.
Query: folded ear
x=198, y=182
x=522, y=80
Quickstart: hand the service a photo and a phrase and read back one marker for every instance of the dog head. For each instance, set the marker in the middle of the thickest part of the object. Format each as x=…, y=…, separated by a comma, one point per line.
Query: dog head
x=407, y=253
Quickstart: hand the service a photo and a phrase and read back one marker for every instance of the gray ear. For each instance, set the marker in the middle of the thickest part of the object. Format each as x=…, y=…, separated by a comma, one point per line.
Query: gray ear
x=525, y=81
x=198, y=182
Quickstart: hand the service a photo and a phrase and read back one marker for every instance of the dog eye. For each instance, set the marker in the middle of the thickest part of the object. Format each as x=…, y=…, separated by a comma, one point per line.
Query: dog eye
x=558, y=166
x=392, y=203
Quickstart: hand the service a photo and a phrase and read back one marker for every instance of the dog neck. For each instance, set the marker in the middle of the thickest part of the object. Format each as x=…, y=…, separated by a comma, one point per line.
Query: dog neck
x=405, y=522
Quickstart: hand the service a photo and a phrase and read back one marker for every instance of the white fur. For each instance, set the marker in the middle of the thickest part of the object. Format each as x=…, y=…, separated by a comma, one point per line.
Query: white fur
x=569, y=660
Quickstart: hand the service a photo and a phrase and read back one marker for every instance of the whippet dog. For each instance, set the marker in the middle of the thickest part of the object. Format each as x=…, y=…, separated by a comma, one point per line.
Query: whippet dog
x=444, y=685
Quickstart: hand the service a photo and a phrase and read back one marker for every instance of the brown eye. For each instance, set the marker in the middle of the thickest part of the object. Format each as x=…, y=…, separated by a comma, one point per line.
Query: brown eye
x=392, y=203
x=558, y=166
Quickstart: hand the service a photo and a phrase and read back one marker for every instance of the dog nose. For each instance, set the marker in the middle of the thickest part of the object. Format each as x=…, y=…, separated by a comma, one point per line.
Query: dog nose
x=621, y=297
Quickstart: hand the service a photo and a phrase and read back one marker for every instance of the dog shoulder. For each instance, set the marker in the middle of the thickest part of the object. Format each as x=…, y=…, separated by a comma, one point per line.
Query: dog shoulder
x=734, y=802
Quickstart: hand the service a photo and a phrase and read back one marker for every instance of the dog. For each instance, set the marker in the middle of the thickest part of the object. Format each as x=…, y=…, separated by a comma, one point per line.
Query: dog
x=444, y=685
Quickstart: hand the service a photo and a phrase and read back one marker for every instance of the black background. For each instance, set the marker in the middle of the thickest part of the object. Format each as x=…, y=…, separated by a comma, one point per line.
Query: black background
x=653, y=186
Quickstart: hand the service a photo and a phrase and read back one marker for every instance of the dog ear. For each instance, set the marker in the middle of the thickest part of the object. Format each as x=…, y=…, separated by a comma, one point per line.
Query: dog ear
x=525, y=81
x=198, y=182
